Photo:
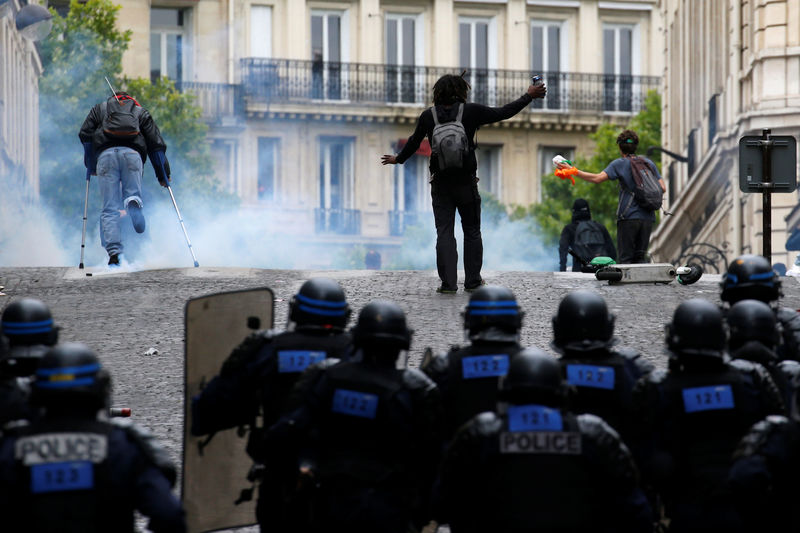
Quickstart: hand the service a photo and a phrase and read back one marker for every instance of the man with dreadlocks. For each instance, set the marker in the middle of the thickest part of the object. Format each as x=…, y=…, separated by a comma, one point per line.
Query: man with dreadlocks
x=450, y=127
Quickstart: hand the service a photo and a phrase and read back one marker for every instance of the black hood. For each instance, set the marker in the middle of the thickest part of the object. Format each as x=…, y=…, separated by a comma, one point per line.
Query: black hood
x=580, y=210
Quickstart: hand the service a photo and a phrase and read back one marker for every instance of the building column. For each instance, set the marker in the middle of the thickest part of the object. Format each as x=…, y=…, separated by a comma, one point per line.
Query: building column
x=517, y=57
x=299, y=40
x=590, y=33
x=445, y=53
x=370, y=20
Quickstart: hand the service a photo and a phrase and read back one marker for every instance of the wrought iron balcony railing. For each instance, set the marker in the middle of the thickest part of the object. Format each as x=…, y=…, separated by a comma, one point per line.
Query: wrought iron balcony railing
x=218, y=100
x=266, y=81
x=399, y=220
x=337, y=221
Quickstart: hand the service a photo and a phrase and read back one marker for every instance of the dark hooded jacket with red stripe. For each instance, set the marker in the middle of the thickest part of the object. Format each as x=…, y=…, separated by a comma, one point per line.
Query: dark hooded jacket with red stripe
x=148, y=140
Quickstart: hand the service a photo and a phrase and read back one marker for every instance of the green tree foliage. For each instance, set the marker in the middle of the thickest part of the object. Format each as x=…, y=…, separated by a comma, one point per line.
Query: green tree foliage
x=555, y=210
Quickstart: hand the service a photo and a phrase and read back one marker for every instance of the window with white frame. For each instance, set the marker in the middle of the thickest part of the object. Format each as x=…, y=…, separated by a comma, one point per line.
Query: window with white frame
x=490, y=177
x=548, y=58
x=477, y=47
x=411, y=187
x=329, y=40
x=336, y=173
x=170, y=43
x=546, y=155
x=620, y=64
x=268, y=150
x=260, y=31
x=403, y=54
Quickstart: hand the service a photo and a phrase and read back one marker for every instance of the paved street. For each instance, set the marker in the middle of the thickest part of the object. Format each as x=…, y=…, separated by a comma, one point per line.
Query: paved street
x=123, y=315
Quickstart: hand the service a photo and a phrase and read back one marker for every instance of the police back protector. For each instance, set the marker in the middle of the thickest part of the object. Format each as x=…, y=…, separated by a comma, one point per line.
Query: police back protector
x=214, y=470
x=469, y=379
x=64, y=479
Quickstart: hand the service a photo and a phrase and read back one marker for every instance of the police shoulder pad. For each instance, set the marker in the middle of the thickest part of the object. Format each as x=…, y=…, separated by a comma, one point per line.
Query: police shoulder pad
x=486, y=423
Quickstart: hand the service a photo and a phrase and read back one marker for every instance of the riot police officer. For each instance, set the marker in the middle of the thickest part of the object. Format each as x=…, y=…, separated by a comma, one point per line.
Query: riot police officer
x=259, y=375
x=533, y=465
x=468, y=376
x=754, y=336
x=750, y=277
x=764, y=475
x=72, y=469
x=27, y=325
x=365, y=433
x=602, y=373
x=694, y=414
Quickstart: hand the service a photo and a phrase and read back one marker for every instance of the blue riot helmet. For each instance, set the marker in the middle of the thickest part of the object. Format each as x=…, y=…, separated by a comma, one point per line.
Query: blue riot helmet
x=70, y=377
x=27, y=322
x=750, y=277
x=320, y=302
x=697, y=331
x=752, y=320
x=534, y=377
x=582, y=323
x=382, y=326
x=493, y=314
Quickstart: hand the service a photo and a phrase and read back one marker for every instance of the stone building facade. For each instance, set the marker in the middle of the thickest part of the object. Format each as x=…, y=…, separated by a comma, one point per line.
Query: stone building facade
x=304, y=96
x=732, y=67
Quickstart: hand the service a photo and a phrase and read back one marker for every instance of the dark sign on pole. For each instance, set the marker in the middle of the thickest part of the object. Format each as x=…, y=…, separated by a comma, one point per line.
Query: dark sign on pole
x=782, y=151
x=767, y=164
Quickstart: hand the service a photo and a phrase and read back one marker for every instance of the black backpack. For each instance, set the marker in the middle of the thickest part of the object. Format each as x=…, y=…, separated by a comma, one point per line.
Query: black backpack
x=120, y=118
x=647, y=191
x=590, y=240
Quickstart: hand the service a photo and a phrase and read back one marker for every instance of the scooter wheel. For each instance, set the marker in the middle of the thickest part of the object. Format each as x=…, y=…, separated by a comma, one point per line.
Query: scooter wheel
x=608, y=275
x=695, y=273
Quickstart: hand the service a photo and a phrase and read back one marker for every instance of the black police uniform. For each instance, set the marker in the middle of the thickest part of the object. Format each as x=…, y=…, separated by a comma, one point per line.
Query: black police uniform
x=754, y=336
x=70, y=471
x=367, y=432
x=28, y=327
x=764, y=476
x=535, y=466
x=752, y=277
x=693, y=415
x=260, y=373
x=468, y=376
x=602, y=374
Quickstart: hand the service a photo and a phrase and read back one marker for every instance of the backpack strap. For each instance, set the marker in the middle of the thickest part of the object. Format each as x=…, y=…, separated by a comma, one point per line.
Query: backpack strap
x=435, y=118
x=460, y=112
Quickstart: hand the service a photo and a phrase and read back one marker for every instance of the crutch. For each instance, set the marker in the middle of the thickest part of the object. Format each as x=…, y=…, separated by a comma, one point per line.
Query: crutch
x=180, y=219
x=85, y=213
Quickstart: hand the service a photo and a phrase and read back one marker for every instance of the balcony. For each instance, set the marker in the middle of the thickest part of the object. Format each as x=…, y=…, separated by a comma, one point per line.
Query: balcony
x=268, y=81
x=221, y=102
x=337, y=221
x=399, y=220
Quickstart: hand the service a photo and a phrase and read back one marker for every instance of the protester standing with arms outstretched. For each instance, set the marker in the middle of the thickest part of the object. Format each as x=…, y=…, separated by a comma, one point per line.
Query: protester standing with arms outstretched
x=635, y=217
x=450, y=127
x=117, y=137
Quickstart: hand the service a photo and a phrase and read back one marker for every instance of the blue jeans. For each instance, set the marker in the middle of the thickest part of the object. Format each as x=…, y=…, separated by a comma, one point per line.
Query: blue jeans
x=119, y=171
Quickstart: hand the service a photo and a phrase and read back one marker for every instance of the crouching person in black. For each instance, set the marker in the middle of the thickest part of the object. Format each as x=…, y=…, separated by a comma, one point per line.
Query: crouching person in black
x=365, y=435
x=72, y=470
x=533, y=465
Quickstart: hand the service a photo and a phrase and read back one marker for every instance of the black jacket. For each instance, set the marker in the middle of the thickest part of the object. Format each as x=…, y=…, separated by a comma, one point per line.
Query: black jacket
x=475, y=115
x=148, y=140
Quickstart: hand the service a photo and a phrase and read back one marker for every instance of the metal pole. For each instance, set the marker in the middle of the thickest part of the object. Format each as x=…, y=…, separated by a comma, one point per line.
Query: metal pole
x=85, y=213
x=180, y=219
x=766, y=197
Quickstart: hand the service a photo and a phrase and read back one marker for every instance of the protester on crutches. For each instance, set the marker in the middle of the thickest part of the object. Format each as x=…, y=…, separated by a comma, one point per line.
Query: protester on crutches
x=118, y=135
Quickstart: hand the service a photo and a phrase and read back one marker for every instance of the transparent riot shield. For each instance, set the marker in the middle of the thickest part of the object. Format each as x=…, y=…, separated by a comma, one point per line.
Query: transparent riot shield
x=215, y=470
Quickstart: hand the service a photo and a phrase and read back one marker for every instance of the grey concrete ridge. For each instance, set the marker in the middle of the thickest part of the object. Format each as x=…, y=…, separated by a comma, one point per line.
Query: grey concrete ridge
x=123, y=315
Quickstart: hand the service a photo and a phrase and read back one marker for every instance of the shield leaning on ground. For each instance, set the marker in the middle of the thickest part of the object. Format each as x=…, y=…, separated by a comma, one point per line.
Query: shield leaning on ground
x=214, y=472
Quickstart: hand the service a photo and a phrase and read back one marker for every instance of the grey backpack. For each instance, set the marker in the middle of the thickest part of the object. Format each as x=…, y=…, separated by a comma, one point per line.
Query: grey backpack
x=449, y=141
